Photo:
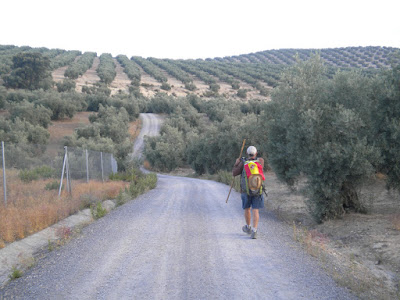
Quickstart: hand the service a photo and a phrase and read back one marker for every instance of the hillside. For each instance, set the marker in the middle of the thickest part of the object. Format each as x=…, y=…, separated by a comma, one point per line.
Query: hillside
x=247, y=76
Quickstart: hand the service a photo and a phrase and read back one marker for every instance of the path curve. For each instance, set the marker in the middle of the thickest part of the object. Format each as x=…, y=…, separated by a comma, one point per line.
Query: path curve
x=151, y=125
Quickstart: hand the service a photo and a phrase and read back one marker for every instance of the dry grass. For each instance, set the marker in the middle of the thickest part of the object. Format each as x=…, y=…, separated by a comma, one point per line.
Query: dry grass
x=395, y=219
x=134, y=129
x=32, y=208
x=61, y=128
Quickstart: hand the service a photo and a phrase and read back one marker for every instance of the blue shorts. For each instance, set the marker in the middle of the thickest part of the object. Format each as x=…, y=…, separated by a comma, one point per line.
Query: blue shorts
x=252, y=201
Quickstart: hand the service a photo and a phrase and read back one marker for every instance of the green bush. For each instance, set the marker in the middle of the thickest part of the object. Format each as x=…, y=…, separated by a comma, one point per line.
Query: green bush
x=97, y=211
x=28, y=175
x=123, y=197
x=166, y=86
x=242, y=93
x=88, y=201
x=54, y=185
x=66, y=85
x=43, y=172
x=190, y=86
x=130, y=175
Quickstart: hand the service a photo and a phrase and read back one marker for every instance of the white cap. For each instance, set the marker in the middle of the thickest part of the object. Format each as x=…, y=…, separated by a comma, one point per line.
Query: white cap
x=252, y=151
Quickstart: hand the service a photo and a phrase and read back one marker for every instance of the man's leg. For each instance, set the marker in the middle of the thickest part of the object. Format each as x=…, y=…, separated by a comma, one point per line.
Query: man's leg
x=256, y=217
x=247, y=216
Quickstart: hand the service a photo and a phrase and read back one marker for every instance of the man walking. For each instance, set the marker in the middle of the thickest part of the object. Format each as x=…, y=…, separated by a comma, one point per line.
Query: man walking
x=252, y=177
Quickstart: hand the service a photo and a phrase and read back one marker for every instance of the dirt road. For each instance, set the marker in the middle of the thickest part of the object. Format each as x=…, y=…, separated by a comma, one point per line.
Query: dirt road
x=151, y=124
x=178, y=241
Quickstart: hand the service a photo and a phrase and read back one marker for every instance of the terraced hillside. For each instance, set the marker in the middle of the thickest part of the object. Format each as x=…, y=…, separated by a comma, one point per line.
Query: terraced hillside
x=246, y=76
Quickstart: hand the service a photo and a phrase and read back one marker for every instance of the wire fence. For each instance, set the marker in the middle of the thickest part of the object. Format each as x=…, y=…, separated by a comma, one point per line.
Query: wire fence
x=27, y=162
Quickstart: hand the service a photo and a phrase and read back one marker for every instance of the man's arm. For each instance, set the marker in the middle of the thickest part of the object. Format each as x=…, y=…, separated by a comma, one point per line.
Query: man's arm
x=237, y=168
x=261, y=160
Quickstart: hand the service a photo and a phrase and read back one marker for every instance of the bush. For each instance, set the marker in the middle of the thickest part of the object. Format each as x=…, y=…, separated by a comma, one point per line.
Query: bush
x=131, y=175
x=43, y=172
x=66, y=85
x=214, y=87
x=54, y=185
x=242, y=93
x=97, y=211
x=190, y=86
x=165, y=86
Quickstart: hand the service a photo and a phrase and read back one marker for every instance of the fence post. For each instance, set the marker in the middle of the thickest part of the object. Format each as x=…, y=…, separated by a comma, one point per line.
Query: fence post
x=63, y=169
x=87, y=166
x=114, y=166
x=102, y=169
x=69, y=188
x=4, y=175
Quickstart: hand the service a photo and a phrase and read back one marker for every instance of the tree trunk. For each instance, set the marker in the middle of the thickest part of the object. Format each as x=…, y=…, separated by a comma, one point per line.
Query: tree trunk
x=350, y=199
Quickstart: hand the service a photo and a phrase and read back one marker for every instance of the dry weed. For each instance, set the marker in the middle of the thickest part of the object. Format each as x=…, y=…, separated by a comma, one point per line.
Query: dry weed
x=32, y=208
x=395, y=219
x=134, y=129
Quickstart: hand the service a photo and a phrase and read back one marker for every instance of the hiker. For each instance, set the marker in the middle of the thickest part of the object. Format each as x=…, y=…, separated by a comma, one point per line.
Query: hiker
x=251, y=185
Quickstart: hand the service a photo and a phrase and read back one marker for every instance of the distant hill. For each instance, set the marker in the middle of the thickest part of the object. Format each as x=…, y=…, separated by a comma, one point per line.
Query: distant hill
x=244, y=76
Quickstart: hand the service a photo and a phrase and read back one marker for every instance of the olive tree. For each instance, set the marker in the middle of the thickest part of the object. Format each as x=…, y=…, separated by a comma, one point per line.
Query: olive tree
x=312, y=133
x=29, y=71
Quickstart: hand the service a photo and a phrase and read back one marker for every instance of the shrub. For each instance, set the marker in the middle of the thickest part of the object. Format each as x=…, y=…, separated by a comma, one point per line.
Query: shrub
x=190, y=86
x=165, y=86
x=66, y=85
x=54, y=185
x=43, y=172
x=98, y=211
x=15, y=273
x=242, y=93
x=214, y=87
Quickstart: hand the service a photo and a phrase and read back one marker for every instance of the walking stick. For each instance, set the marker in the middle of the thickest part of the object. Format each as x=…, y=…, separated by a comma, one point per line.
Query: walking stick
x=233, y=180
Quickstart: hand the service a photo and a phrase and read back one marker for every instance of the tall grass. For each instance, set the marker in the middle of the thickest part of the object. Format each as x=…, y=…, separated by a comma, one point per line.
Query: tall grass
x=31, y=207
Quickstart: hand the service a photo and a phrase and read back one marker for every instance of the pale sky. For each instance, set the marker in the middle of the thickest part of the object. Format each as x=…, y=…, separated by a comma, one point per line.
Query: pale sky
x=198, y=29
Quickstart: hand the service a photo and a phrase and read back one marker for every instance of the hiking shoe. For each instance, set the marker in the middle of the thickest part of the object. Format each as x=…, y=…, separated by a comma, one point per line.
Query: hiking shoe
x=253, y=234
x=246, y=229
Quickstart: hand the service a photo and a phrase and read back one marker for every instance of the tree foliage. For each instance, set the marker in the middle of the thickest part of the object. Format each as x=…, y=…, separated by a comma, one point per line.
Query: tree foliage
x=320, y=135
x=29, y=71
x=106, y=68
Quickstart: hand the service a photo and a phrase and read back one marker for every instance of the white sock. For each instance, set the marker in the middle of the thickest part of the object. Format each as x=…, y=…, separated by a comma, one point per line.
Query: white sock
x=248, y=226
x=254, y=229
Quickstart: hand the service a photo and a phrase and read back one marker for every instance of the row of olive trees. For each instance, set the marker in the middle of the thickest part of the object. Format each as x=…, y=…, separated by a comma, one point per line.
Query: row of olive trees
x=80, y=66
x=131, y=69
x=150, y=68
x=173, y=70
x=106, y=69
x=64, y=59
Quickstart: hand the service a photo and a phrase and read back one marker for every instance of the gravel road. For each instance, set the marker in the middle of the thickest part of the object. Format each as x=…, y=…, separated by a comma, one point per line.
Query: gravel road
x=151, y=124
x=178, y=241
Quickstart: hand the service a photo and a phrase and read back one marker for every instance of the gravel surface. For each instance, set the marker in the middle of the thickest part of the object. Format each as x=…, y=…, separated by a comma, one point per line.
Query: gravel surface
x=178, y=241
x=151, y=124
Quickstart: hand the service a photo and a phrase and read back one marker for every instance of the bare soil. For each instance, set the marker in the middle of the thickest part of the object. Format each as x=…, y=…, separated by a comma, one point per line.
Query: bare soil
x=89, y=78
x=66, y=127
x=121, y=82
x=58, y=74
